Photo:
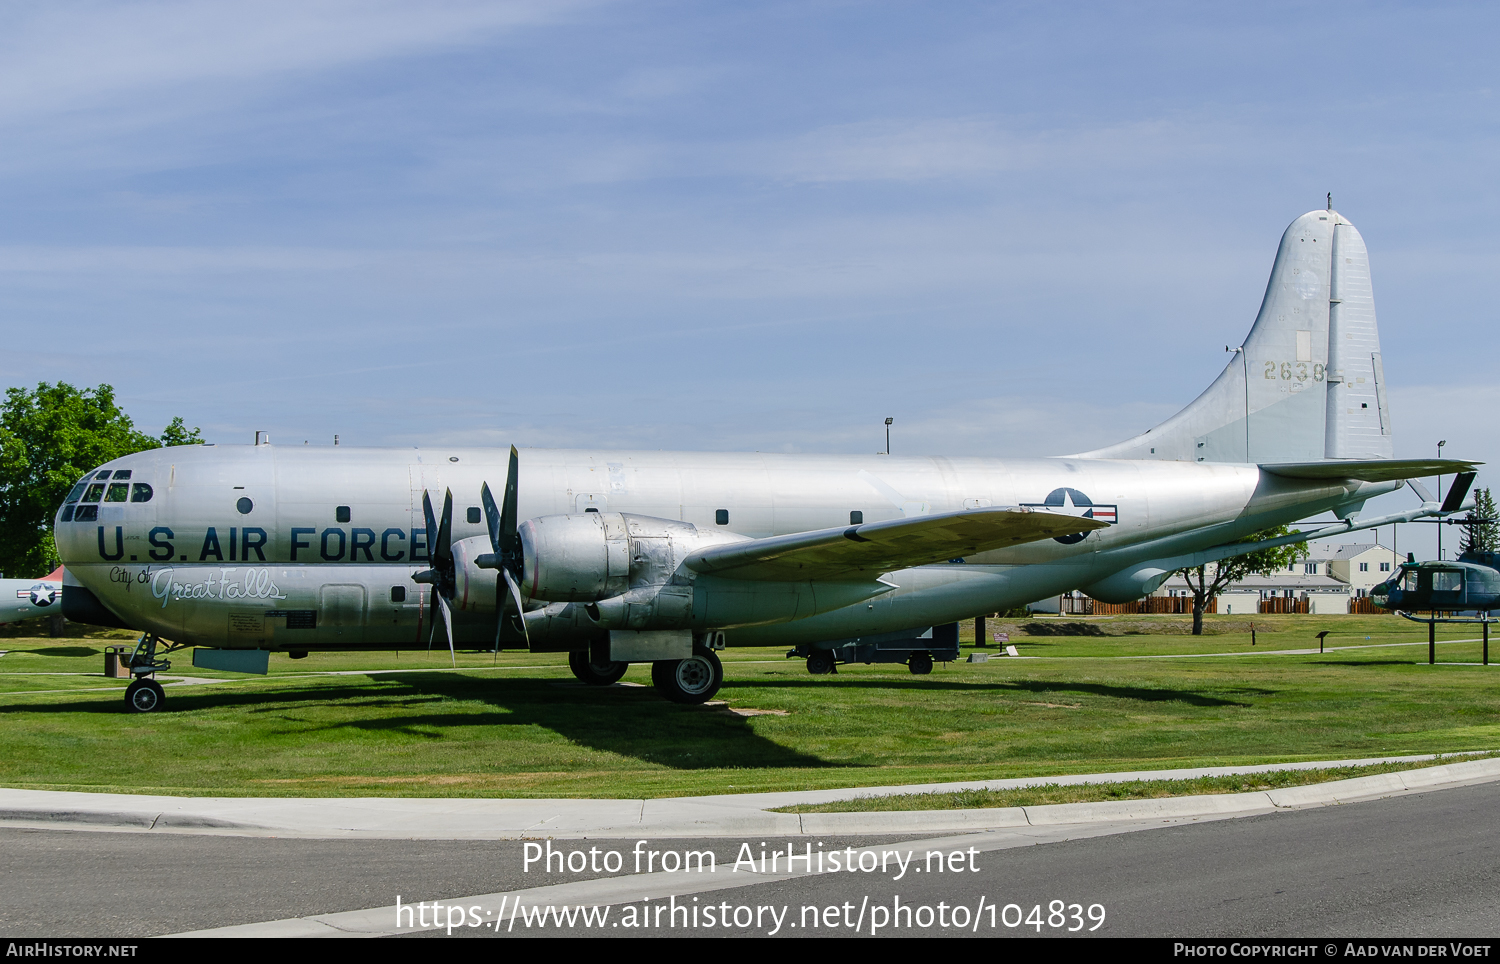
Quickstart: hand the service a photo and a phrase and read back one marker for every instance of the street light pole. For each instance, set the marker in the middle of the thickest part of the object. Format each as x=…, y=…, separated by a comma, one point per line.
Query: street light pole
x=1440, y=495
x=888, y=435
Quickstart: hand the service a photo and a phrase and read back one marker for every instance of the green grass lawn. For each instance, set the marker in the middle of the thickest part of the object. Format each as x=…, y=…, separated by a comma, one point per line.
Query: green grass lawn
x=519, y=725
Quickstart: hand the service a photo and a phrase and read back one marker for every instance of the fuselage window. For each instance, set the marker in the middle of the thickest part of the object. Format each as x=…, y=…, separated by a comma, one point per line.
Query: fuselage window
x=243, y=506
x=721, y=517
x=122, y=473
x=118, y=492
x=77, y=492
x=1447, y=581
x=473, y=515
x=398, y=594
x=94, y=493
x=140, y=492
x=856, y=518
x=341, y=513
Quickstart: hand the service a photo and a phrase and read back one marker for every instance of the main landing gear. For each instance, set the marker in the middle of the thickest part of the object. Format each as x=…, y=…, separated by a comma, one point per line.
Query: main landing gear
x=692, y=680
x=145, y=695
x=595, y=672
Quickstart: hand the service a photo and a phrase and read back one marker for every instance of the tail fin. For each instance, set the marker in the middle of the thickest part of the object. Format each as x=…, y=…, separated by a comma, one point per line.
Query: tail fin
x=1307, y=384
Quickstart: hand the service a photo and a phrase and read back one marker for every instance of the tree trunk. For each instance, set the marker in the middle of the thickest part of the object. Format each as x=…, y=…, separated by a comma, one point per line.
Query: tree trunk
x=1198, y=607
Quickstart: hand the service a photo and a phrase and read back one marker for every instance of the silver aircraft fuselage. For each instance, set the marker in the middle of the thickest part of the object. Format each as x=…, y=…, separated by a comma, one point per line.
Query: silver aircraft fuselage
x=234, y=543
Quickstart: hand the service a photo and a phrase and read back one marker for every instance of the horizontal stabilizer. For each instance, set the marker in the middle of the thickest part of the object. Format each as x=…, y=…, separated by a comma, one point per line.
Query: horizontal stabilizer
x=1368, y=470
x=880, y=547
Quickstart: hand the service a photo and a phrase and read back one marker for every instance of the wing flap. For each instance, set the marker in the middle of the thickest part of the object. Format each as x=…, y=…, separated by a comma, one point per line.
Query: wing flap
x=877, y=547
x=1368, y=470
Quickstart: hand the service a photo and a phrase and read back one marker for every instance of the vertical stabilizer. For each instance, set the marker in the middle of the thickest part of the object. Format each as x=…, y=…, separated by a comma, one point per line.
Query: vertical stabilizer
x=1307, y=383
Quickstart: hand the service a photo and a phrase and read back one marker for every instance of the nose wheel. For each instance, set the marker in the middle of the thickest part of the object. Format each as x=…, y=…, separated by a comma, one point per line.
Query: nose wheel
x=144, y=696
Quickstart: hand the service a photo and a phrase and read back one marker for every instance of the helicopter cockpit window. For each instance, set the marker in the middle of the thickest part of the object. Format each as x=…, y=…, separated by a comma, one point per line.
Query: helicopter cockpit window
x=1409, y=581
x=1447, y=580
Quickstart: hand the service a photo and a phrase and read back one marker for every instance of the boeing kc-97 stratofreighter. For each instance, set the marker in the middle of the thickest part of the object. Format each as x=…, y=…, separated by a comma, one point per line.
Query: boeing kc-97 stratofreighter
x=665, y=557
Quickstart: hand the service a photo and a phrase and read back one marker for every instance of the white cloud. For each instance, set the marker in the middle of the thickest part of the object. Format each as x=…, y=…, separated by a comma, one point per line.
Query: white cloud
x=62, y=57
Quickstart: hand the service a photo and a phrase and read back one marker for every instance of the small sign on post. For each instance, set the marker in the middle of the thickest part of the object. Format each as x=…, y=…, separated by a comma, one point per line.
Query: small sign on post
x=1001, y=638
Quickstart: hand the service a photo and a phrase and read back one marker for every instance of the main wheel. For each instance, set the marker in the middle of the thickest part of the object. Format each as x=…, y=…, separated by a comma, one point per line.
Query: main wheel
x=602, y=673
x=692, y=680
x=144, y=696
x=920, y=664
x=821, y=662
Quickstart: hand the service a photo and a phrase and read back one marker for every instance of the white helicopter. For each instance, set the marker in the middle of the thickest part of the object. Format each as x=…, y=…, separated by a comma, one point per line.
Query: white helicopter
x=618, y=557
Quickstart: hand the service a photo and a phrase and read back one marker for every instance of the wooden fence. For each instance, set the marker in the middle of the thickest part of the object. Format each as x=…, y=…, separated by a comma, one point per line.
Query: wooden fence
x=1151, y=605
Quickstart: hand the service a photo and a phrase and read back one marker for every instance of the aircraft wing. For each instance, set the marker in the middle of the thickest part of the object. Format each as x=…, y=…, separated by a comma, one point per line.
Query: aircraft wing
x=877, y=547
x=1369, y=470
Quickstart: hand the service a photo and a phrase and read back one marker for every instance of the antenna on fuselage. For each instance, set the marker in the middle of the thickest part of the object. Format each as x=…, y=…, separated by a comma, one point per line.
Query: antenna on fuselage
x=1330, y=200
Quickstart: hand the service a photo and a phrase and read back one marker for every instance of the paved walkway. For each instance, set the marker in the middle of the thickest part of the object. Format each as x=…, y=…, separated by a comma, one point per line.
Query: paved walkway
x=728, y=815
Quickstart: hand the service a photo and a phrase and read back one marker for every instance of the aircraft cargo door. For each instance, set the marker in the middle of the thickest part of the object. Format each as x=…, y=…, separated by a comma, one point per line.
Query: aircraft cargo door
x=341, y=615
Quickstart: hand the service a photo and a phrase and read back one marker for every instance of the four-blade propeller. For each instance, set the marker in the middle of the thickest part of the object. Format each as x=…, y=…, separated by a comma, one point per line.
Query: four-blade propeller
x=506, y=557
x=441, y=577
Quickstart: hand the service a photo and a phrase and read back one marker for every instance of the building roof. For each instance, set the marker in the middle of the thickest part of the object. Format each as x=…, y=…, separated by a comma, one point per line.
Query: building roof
x=1296, y=581
x=1349, y=551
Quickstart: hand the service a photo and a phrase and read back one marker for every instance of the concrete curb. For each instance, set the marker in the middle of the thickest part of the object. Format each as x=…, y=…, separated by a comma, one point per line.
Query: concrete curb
x=731, y=816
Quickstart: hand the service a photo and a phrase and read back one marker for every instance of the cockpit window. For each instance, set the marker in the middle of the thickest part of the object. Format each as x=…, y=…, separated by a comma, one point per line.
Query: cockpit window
x=140, y=492
x=122, y=473
x=118, y=492
x=102, y=475
x=95, y=491
x=77, y=492
x=1409, y=580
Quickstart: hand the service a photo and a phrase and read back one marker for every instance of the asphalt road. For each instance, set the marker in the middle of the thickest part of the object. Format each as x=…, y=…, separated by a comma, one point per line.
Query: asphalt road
x=1419, y=865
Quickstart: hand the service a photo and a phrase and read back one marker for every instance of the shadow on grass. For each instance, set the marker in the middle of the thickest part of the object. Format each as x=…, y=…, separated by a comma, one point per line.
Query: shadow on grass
x=1062, y=629
x=63, y=651
x=1364, y=662
x=627, y=721
x=1140, y=693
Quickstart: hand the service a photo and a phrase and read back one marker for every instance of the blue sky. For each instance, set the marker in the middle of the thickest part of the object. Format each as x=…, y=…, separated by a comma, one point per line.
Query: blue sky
x=1018, y=229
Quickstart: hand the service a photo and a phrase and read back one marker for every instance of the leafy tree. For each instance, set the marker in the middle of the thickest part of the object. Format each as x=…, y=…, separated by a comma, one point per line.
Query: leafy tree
x=48, y=438
x=1481, y=528
x=1209, y=580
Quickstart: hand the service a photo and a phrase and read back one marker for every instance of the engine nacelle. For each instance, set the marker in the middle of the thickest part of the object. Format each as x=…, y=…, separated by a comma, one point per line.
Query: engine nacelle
x=603, y=571
x=602, y=555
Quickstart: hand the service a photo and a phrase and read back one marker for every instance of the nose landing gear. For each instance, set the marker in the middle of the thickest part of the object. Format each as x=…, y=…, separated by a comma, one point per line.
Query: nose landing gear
x=145, y=695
